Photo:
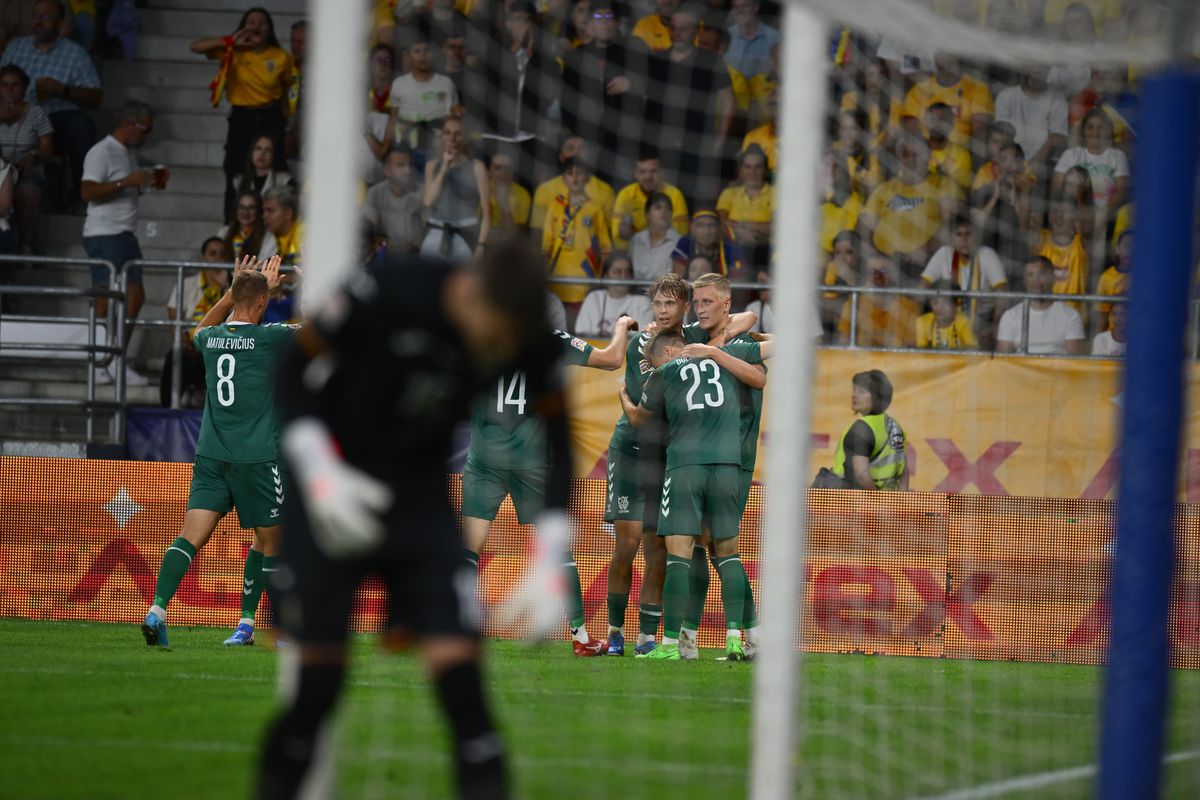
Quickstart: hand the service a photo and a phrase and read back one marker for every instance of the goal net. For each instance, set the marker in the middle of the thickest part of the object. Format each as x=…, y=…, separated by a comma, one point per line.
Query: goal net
x=953, y=639
x=891, y=185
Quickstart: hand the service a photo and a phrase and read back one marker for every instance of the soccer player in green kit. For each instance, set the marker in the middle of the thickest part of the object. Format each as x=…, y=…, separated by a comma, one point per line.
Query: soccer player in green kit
x=236, y=462
x=703, y=409
x=711, y=301
x=634, y=471
x=509, y=456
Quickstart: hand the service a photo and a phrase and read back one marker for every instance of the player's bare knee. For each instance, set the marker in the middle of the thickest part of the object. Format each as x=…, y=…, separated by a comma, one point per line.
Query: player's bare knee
x=724, y=548
x=680, y=546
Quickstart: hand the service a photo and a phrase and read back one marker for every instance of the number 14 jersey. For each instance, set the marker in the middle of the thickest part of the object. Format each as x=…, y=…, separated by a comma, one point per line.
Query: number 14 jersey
x=240, y=425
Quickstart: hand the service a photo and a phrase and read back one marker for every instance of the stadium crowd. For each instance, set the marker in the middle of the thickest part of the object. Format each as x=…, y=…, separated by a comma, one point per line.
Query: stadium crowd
x=634, y=138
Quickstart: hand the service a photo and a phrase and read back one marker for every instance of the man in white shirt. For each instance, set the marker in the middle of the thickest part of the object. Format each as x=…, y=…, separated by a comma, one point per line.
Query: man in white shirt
x=651, y=249
x=971, y=269
x=393, y=208
x=602, y=308
x=110, y=186
x=1111, y=343
x=419, y=100
x=1039, y=113
x=1054, y=328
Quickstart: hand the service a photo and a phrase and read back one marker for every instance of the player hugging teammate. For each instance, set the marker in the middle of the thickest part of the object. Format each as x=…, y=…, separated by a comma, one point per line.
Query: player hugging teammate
x=701, y=391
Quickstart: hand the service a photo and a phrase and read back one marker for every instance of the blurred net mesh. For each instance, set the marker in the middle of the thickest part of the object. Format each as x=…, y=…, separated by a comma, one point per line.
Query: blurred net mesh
x=962, y=140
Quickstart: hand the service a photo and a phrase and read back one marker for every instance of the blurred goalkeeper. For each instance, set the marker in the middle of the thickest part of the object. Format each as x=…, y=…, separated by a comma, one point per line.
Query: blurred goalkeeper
x=371, y=394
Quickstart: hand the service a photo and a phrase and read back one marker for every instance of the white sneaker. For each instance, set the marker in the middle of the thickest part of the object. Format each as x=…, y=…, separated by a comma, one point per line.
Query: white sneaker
x=687, y=647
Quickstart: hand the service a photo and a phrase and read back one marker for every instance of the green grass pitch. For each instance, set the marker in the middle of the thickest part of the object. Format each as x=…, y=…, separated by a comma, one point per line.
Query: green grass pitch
x=88, y=711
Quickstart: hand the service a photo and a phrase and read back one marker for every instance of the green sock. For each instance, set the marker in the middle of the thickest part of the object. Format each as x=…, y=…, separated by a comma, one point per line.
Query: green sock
x=733, y=590
x=675, y=595
x=472, y=558
x=175, y=564
x=749, y=612
x=617, y=603
x=574, y=593
x=252, y=583
x=697, y=589
x=649, y=615
x=268, y=584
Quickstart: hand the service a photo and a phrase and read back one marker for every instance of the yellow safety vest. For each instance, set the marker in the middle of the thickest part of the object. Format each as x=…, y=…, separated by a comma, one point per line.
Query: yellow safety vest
x=887, y=455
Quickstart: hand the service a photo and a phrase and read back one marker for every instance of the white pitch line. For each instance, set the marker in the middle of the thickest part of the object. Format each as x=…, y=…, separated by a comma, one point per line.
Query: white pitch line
x=1040, y=780
x=371, y=756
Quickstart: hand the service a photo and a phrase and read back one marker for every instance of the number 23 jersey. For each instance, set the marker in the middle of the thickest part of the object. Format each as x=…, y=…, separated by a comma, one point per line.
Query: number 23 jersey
x=240, y=423
x=703, y=407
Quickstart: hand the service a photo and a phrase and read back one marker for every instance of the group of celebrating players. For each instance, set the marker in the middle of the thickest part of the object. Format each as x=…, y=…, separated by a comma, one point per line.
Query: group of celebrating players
x=359, y=405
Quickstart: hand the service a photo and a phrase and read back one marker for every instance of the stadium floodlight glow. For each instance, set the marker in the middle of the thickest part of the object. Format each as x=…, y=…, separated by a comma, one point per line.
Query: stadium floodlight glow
x=802, y=106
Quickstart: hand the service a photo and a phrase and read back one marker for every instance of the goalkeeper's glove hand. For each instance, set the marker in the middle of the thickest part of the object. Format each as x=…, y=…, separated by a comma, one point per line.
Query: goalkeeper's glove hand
x=343, y=503
x=538, y=599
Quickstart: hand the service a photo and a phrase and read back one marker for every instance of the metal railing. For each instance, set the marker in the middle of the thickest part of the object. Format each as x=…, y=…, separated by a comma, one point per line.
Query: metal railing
x=925, y=293
x=111, y=354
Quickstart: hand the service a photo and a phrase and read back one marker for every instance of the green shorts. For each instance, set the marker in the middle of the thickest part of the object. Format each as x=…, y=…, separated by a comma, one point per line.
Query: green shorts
x=624, y=499
x=484, y=489
x=745, y=478
x=255, y=490
x=700, y=492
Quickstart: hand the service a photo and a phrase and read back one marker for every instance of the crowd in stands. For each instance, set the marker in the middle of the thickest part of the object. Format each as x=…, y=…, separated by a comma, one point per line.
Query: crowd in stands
x=633, y=137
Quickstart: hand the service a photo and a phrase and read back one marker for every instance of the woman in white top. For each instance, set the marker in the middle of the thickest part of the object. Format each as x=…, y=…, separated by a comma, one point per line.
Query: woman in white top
x=258, y=175
x=602, y=308
x=1108, y=166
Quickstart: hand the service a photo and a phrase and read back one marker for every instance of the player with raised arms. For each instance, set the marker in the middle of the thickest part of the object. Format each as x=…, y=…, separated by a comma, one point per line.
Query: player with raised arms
x=634, y=473
x=508, y=456
x=371, y=395
x=700, y=401
x=237, y=454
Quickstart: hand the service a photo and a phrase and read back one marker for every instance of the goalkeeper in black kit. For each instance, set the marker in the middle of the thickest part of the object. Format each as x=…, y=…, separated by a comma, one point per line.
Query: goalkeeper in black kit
x=371, y=393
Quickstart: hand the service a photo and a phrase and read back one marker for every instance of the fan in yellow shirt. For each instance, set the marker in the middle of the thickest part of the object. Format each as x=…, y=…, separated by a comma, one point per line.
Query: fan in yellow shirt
x=765, y=135
x=509, y=200
x=1064, y=247
x=969, y=98
x=842, y=205
x=575, y=237
x=655, y=29
x=545, y=194
x=883, y=320
x=905, y=215
x=1114, y=281
x=945, y=327
x=749, y=206
x=946, y=158
x=629, y=210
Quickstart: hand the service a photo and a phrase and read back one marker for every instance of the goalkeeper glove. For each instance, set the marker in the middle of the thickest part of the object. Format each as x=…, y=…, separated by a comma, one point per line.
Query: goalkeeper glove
x=343, y=503
x=539, y=597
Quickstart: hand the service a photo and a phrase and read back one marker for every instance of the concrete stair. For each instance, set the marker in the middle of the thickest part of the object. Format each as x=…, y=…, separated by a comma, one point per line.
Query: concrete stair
x=189, y=137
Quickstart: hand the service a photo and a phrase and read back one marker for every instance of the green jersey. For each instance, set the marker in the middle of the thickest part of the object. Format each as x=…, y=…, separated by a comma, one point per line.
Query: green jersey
x=637, y=369
x=703, y=408
x=751, y=400
x=505, y=433
x=240, y=425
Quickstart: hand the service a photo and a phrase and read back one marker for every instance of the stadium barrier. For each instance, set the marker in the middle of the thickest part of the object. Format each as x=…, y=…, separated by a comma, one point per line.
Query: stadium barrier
x=1026, y=426
x=913, y=574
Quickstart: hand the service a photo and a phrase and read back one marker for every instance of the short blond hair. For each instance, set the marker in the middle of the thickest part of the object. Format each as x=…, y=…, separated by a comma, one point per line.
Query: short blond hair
x=718, y=282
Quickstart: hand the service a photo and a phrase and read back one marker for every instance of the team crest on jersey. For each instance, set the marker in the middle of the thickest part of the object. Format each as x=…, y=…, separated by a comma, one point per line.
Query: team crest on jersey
x=270, y=65
x=623, y=504
x=587, y=222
